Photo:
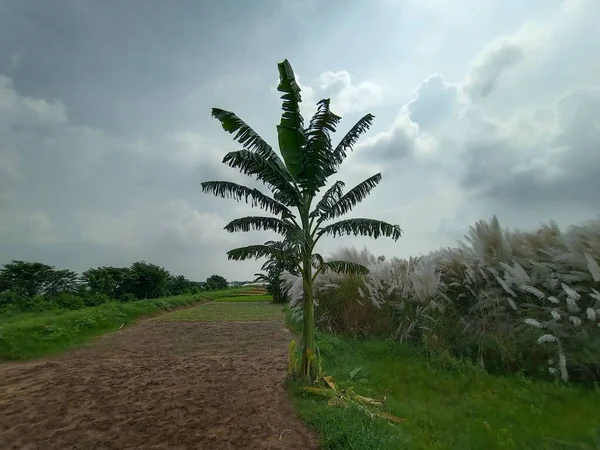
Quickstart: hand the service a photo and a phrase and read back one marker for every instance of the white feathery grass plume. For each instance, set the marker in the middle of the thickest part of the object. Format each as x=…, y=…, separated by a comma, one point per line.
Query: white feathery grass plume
x=487, y=280
x=562, y=365
x=571, y=293
x=534, y=291
x=293, y=285
x=546, y=338
x=596, y=296
x=505, y=286
x=297, y=314
x=593, y=267
x=572, y=306
x=517, y=272
x=591, y=314
x=533, y=323
x=575, y=320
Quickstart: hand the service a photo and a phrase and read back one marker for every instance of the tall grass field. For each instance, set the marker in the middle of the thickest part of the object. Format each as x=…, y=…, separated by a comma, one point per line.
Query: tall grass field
x=493, y=344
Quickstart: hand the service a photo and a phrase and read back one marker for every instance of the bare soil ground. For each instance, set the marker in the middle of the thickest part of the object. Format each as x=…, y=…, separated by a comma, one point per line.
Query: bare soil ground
x=157, y=385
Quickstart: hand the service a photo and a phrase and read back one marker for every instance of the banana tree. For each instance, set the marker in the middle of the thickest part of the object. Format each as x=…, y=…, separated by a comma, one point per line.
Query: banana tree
x=308, y=160
x=283, y=259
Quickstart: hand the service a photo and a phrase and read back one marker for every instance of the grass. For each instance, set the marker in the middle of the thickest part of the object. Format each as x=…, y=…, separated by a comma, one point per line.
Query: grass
x=222, y=311
x=245, y=298
x=233, y=292
x=461, y=408
x=32, y=335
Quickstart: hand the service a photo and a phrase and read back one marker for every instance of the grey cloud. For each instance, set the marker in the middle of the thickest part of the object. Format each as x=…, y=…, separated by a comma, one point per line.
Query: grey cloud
x=435, y=101
x=72, y=187
x=412, y=133
x=487, y=70
x=129, y=66
x=519, y=158
x=560, y=167
x=400, y=141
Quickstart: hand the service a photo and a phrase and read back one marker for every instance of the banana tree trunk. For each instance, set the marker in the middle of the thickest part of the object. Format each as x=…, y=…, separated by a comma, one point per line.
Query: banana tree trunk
x=309, y=362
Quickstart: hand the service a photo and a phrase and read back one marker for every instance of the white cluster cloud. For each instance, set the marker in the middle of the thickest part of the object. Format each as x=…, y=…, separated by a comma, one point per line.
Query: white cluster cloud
x=455, y=156
x=346, y=96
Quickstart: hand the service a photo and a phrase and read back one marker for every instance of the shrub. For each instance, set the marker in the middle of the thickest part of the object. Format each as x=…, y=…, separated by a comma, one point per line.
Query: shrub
x=128, y=297
x=95, y=299
x=517, y=301
x=12, y=303
x=67, y=301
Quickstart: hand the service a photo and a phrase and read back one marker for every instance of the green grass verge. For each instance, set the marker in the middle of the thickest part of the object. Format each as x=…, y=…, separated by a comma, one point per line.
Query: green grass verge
x=461, y=408
x=226, y=312
x=36, y=334
x=246, y=298
x=32, y=335
x=233, y=292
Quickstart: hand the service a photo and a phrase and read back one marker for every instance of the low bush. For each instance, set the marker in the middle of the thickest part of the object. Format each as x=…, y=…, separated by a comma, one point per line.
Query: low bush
x=66, y=300
x=525, y=302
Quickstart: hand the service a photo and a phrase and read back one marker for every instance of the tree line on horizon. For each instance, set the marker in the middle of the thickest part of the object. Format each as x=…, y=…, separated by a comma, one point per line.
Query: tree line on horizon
x=35, y=286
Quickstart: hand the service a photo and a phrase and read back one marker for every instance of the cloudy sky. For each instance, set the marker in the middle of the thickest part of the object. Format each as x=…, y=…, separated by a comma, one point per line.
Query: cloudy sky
x=482, y=107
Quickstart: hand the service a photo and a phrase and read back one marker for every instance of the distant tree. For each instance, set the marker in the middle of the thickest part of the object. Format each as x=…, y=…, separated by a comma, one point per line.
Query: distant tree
x=63, y=281
x=107, y=280
x=34, y=278
x=179, y=284
x=146, y=280
x=216, y=282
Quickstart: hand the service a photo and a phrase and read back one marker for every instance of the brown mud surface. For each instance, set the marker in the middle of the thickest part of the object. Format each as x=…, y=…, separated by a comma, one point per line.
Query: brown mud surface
x=157, y=385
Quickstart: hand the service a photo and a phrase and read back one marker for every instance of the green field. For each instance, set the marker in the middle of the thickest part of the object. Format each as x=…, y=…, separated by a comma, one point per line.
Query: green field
x=443, y=407
x=233, y=311
x=33, y=335
x=245, y=298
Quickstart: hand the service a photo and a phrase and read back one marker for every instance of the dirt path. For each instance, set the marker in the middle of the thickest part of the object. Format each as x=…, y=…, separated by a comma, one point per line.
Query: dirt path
x=157, y=385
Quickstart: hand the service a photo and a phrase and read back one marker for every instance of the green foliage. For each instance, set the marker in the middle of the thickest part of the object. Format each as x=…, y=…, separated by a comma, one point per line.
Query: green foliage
x=241, y=292
x=127, y=297
x=32, y=335
x=309, y=159
x=283, y=258
x=107, y=280
x=245, y=298
x=146, y=280
x=33, y=286
x=34, y=278
x=444, y=405
x=508, y=301
x=95, y=299
x=216, y=282
x=342, y=310
x=64, y=300
x=178, y=285
x=40, y=332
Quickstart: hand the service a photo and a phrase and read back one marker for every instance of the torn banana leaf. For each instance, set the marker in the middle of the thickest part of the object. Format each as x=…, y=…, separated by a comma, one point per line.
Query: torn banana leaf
x=319, y=391
x=330, y=383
